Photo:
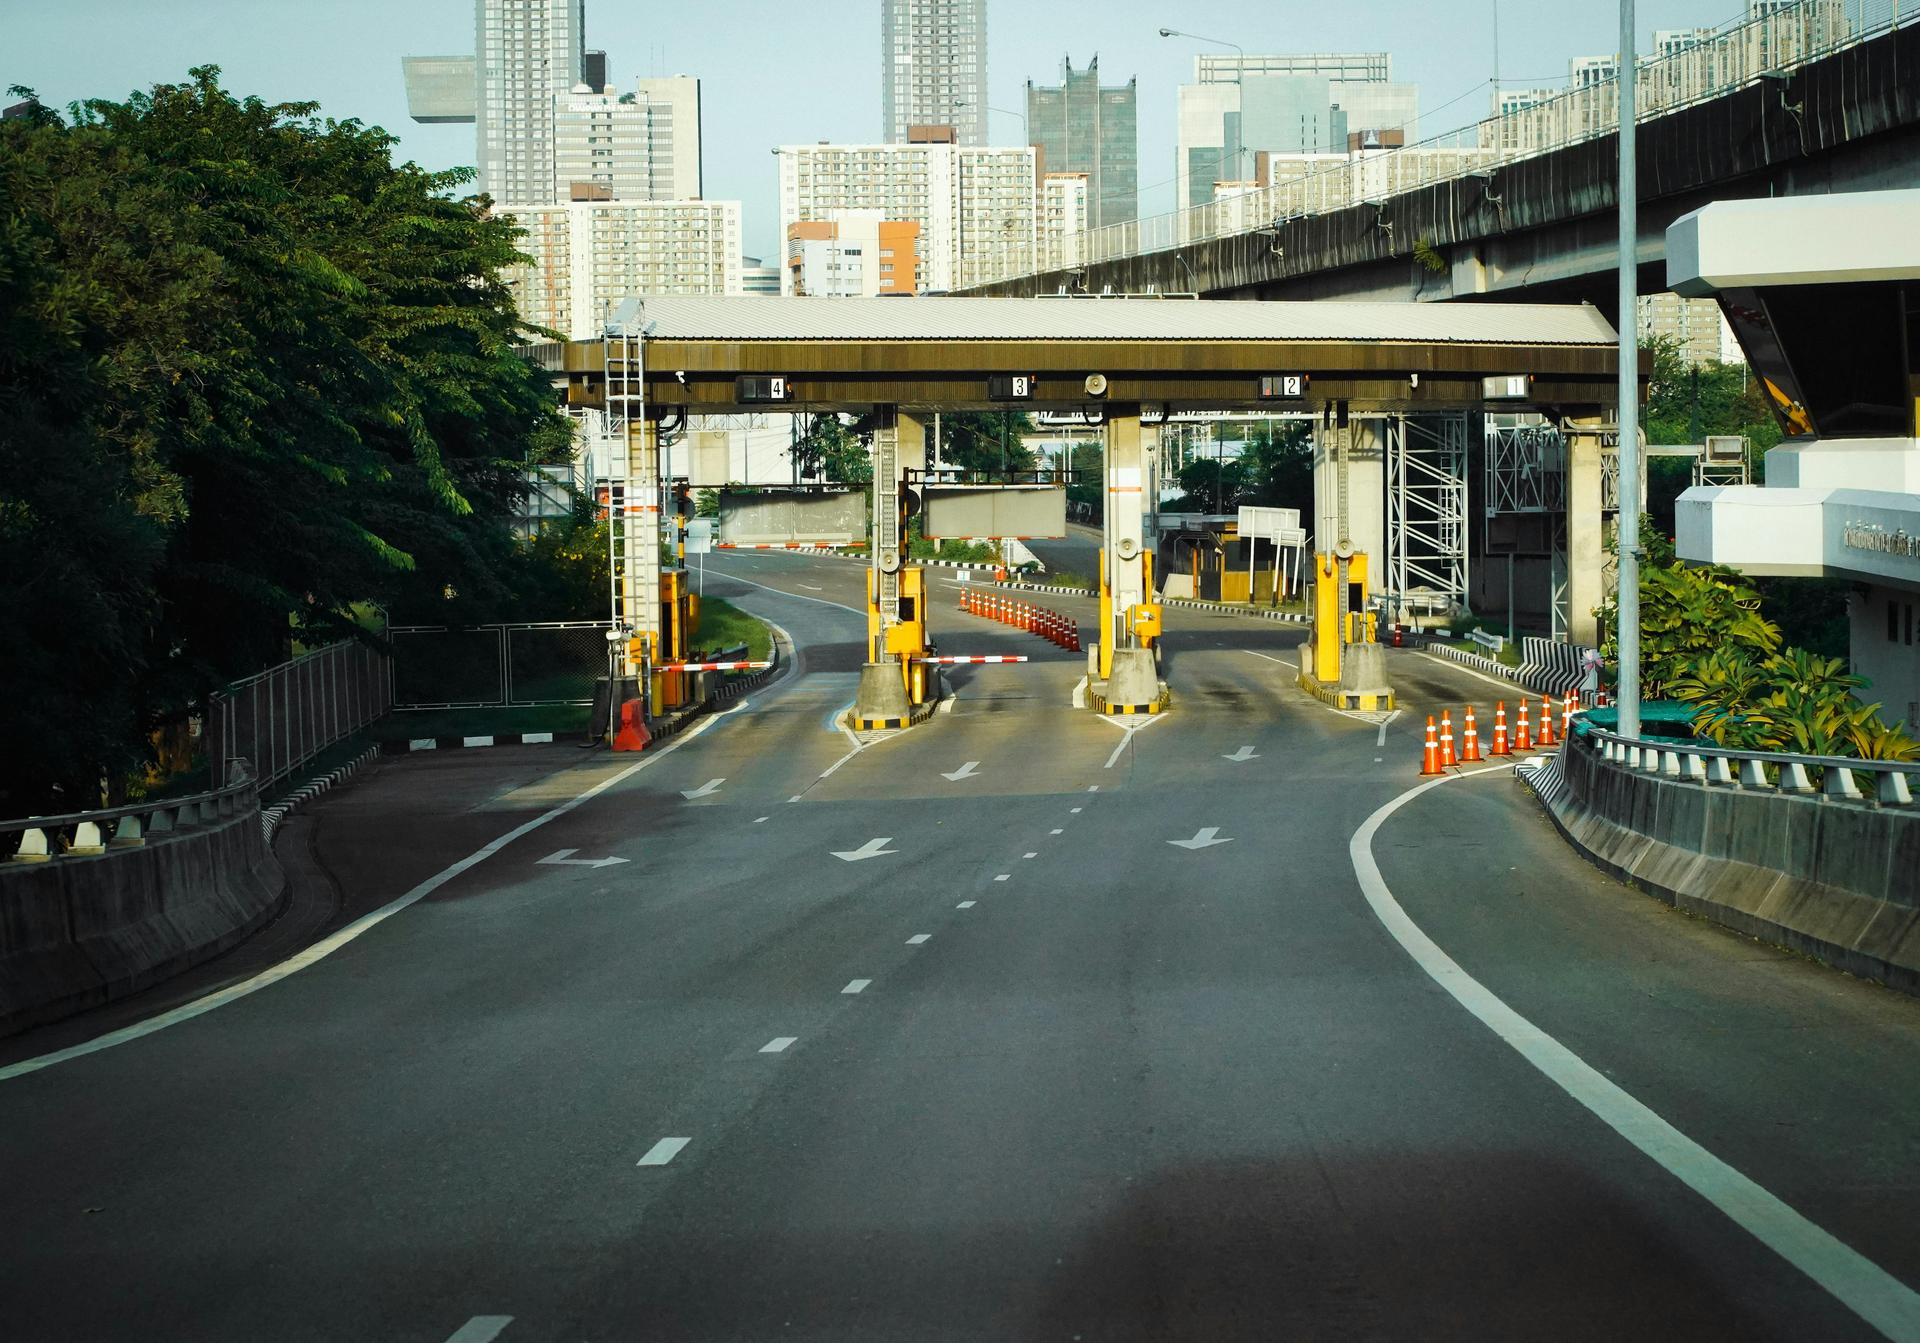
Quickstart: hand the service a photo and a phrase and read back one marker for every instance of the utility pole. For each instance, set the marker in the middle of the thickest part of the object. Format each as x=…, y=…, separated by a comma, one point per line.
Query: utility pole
x=1628, y=602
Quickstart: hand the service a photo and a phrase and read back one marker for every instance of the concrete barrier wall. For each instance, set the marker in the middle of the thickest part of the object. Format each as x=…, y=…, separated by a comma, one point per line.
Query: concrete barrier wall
x=1839, y=881
x=79, y=932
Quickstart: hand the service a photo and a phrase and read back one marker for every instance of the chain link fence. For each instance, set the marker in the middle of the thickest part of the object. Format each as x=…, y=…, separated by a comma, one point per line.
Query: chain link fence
x=280, y=718
x=497, y=666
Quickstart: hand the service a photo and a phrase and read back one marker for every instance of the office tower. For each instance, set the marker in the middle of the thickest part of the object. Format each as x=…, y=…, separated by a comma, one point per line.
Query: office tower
x=1286, y=103
x=974, y=204
x=1081, y=127
x=933, y=67
x=589, y=255
x=853, y=254
x=636, y=146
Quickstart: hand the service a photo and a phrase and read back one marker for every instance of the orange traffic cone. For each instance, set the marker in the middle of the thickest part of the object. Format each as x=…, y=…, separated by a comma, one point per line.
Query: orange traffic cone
x=1499, y=729
x=1522, y=738
x=1430, y=756
x=1547, y=736
x=1447, y=760
x=1470, y=748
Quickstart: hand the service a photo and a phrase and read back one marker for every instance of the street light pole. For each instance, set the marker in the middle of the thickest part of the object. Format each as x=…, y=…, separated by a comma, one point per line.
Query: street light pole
x=1239, y=83
x=1628, y=417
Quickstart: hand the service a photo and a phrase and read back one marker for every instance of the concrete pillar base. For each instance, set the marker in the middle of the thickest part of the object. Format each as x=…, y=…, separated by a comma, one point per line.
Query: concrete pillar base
x=1363, y=670
x=881, y=701
x=1135, y=679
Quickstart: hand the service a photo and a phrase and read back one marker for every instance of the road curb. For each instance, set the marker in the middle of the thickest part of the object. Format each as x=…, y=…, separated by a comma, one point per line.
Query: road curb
x=461, y=743
x=270, y=817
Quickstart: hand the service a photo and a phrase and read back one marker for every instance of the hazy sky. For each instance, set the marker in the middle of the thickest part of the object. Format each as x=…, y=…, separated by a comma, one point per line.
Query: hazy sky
x=782, y=73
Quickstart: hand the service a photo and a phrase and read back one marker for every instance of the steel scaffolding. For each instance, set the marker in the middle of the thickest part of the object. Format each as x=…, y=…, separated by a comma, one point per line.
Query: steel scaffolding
x=1427, y=509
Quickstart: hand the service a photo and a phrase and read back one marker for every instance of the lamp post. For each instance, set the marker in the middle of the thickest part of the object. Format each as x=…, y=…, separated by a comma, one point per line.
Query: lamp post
x=1239, y=83
x=1628, y=416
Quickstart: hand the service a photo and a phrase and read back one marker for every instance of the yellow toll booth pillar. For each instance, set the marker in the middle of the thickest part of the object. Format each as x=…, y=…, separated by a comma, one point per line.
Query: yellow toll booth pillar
x=896, y=614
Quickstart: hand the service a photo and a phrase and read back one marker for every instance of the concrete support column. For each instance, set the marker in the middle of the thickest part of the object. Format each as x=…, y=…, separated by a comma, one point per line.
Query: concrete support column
x=637, y=464
x=1124, y=527
x=1586, y=574
x=899, y=444
x=1363, y=445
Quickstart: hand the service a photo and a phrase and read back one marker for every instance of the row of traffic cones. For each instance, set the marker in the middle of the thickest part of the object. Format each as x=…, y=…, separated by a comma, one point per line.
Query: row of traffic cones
x=1049, y=625
x=1438, y=754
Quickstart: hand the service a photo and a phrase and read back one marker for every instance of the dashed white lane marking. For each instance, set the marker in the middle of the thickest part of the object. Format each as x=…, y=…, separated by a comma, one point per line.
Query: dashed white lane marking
x=663, y=1151
x=1029, y=855
x=326, y=946
x=918, y=938
x=808, y=586
x=794, y=798
x=1093, y=788
x=778, y=1044
x=797, y=596
x=1859, y=1284
x=1003, y=876
x=1381, y=740
x=964, y=904
x=1056, y=832
x=1076, y=810
x=758, y=819
x=480, y=1329
x=856, y=985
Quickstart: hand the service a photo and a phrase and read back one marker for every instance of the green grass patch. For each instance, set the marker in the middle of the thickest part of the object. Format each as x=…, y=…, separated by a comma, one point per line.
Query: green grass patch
x=724, y=625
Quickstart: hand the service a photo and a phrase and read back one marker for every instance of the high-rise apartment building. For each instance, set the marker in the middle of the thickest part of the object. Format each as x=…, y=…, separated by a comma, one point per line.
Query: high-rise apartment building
x=855, y=254
x=530, y=55
x=975, y=205
x=1294, y=103
x=590, y=255
x=1694, y=325
x=933, y=67
x=638, y=146
x=1063, y=218
x=1082, y=127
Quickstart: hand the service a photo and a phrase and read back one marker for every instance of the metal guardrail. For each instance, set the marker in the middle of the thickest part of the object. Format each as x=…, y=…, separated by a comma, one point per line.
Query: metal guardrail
x=88, y=834
x=1762, y=771
x=279, y=719
x=1706, y=64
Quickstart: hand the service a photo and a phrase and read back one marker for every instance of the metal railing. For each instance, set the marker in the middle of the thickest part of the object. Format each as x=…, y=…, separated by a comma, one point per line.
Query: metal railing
x=1700, y=65
x=283, y=717
x=496, y=666
x=88, y=834
x=1762, y=771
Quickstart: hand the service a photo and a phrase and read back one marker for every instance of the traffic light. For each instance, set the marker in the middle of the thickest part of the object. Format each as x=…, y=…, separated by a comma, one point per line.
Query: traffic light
x=682, y=498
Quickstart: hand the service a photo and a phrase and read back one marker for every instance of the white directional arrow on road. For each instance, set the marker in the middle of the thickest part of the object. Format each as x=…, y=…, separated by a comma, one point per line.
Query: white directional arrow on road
x=1204, y=838
x=873, y=848
x=1241, y=756
x=966, y=771
x=565, y=858
x=704, y=790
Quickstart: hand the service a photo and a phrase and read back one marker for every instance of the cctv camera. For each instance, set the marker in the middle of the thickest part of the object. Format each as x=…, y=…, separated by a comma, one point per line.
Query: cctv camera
x=680, y=376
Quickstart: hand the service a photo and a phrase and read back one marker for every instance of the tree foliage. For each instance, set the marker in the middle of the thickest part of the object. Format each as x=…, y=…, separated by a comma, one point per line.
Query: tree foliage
x=1273, y=467
x=251, y=374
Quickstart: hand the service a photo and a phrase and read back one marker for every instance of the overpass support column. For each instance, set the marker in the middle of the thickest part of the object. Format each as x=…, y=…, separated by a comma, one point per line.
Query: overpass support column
x=634, y=518
x=1129, y=617
x=896, y=620
x=1349, y=484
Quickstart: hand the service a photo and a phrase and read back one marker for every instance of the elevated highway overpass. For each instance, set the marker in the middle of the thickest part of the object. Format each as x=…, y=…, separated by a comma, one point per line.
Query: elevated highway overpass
x=1538, y=225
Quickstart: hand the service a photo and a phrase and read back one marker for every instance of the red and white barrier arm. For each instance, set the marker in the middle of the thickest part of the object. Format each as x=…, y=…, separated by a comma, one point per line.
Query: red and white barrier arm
x=782, y=545
x=710, y=666
x=965, y=661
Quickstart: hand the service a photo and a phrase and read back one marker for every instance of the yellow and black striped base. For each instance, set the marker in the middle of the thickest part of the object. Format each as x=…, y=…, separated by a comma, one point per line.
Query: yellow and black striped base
x=875, y=724
x=1346, y=699
x=1126, y=709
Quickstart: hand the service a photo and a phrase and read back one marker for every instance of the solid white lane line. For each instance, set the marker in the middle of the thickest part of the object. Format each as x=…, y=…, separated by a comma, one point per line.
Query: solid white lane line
x=326, y=946
x=1250, y=653
x=918, y=938
x=663, y=1151
x=1381, y=740
x=964, y=904
x=1512, y=688
x=856, y=985
x=1865, y=1288
x=778, y=1044
x=480, y=1329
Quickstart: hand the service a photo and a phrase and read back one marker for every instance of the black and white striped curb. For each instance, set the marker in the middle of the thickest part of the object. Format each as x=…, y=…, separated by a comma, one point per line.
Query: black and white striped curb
x=456, y=743
x=1059, y=588
x=1221, y=608
x=1542, y=773
x=1477, y=662
x=270, y=817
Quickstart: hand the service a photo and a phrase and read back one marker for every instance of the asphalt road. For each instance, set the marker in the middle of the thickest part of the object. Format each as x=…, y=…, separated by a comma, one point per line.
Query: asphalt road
x=1031, y=1070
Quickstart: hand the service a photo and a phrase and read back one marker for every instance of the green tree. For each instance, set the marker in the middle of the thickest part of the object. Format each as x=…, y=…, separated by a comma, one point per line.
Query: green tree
x=986, y=443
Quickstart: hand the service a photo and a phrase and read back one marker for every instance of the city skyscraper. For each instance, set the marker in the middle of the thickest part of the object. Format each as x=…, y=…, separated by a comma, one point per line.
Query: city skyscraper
x=639, y=146
x=1080, y=127
x=933, y=68
x=530, y=55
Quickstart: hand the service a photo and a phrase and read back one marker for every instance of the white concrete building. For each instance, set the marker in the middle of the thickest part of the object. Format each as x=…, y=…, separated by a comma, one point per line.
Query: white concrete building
x=637, y=146
x=589, y=255
x=933, y=67
x=1064, y=212
x=1694, y=324
x=530, y=55
x=1823, y=293
x=976, y=206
